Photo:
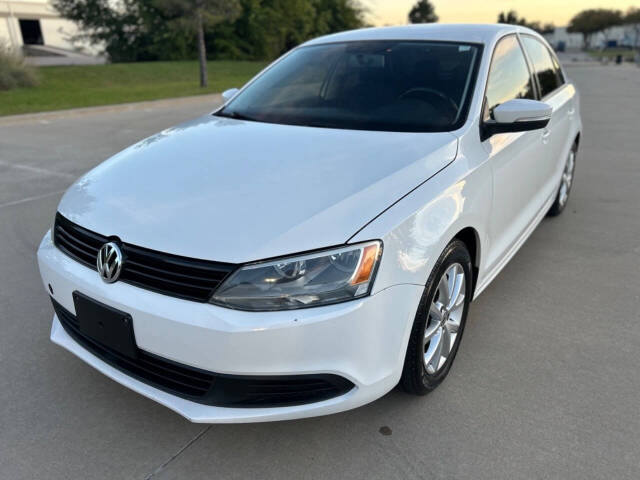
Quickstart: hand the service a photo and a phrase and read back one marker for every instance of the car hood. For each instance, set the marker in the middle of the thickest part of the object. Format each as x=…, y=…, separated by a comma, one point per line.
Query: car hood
x=235, y=191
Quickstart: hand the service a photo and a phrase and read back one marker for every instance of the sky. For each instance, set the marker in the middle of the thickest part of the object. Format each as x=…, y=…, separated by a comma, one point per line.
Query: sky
x=558, y=12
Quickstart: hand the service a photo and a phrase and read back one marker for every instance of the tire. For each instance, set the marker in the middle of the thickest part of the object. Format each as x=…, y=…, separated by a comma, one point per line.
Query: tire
x=419, y=375
x=566, y=182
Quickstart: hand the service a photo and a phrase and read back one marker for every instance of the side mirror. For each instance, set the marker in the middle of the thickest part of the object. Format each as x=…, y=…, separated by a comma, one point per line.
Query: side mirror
x=517, y=115
x=229, y=94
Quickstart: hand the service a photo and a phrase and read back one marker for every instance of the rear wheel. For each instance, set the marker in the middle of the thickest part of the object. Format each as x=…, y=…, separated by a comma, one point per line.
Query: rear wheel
x=566, y=182
x=440, y=320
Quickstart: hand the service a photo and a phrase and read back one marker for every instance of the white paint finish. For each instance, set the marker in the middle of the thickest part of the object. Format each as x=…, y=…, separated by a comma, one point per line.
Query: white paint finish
x=522, y=109
x=212, y=337
x=199, y=413
x=515, y=159
x=565, y=123
x=476, y=33
x=492, y=270
x=526, y=172
x=361, y=340
x=238, y=191
x=416, y=230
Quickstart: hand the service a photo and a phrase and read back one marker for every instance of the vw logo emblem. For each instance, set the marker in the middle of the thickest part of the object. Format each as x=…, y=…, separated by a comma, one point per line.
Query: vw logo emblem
x=109, y=262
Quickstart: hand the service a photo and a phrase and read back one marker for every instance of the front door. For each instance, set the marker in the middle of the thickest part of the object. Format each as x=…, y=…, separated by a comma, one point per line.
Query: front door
x=514, y=157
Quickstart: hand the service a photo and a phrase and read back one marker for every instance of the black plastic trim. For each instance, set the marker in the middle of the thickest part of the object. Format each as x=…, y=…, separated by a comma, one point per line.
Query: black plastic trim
x=492, y=127
x=169, y=274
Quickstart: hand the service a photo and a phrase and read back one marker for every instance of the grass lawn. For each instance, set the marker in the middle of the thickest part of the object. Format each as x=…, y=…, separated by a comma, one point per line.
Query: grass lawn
x=612, y=53
x=85, y=86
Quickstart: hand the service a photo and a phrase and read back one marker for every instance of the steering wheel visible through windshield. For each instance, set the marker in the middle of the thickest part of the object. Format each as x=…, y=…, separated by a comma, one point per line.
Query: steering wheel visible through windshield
x=411, y=86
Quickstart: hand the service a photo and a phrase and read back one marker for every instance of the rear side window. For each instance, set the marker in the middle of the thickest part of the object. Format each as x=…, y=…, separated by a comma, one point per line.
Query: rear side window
x=509, y=76
x=546, y=69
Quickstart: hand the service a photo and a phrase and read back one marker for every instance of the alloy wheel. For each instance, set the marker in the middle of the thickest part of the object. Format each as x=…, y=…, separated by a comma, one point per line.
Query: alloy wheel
x=567, y=178
x=445, y=315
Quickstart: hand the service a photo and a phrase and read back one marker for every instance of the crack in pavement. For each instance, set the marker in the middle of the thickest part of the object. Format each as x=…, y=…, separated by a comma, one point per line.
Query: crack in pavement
x=178, y=453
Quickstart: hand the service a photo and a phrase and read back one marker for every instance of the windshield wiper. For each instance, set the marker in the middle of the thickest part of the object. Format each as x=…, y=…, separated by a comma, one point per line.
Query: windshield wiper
x=236, y=115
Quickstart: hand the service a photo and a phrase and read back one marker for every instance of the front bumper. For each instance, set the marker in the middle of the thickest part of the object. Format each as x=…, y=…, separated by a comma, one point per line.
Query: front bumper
x=363, y=341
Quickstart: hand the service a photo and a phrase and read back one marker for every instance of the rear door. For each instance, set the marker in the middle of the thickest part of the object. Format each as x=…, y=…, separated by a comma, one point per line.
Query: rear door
x=555, y=91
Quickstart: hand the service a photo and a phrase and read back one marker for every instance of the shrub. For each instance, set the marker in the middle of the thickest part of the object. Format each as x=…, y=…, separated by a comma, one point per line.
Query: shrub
x=13, y=71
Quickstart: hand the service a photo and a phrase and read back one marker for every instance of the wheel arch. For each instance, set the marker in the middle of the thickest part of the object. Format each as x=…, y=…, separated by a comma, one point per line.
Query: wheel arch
x=470, y=237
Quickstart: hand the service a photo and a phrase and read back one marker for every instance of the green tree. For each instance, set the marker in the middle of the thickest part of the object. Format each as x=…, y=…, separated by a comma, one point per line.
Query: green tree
x=135, y=30
x=511, y=18
x=547, y=28
x=129, y=30
x=191, y=16
x=266, y=29
x=336, y=16
x=423, y=12
x=593, y=21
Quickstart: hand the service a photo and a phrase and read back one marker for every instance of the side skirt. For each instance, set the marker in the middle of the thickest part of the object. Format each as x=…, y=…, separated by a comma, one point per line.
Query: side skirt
x=516, y=246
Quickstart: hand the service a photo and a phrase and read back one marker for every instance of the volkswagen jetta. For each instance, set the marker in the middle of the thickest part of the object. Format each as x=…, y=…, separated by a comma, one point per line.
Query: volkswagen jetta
x=318, y=238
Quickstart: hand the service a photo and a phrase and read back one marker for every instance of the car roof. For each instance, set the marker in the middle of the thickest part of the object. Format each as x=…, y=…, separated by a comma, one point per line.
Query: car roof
x=455, y=32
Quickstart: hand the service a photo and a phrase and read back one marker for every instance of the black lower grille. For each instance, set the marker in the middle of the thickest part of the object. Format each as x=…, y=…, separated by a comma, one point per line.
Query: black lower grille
x=207, y=387
x=181, y=277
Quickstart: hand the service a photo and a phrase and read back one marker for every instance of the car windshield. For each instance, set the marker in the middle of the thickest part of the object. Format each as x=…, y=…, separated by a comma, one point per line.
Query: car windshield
x=410, y=86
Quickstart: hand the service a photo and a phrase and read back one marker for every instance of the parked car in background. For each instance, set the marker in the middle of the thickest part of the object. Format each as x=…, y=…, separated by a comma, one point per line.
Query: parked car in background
x=318, y=239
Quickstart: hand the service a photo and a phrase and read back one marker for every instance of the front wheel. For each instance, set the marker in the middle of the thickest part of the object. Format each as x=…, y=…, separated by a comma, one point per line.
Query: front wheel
x=566, y=182
x=439, y=322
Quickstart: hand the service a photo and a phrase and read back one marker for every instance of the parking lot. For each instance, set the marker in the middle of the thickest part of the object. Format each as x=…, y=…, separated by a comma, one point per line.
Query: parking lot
x=546, y=383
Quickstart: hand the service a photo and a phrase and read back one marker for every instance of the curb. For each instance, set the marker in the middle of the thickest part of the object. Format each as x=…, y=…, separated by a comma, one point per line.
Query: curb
x=44, y=117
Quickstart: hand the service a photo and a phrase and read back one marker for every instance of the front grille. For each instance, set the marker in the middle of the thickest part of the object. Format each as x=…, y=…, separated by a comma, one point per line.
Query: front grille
x=173, y=275
x=207, y=387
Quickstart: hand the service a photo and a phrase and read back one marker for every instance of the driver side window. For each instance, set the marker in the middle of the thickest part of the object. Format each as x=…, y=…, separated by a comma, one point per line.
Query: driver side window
x=509, y=76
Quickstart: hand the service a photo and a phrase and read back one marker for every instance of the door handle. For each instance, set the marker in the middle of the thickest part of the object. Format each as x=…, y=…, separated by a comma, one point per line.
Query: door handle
x=545, y=135
x=571, y=112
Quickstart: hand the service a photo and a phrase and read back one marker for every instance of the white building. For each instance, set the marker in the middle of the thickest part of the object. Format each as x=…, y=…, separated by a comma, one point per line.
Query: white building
x=36, y=28
x=560, y=35
x=624, y=35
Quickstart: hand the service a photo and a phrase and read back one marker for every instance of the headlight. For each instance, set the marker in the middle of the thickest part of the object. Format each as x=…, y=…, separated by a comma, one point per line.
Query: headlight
x=310, y=280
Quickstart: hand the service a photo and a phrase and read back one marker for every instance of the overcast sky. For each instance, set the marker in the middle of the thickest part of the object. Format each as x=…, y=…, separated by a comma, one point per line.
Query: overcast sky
x=559, y=12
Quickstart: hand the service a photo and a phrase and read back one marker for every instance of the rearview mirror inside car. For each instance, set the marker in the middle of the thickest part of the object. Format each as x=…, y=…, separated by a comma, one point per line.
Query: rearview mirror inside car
x=517, y=115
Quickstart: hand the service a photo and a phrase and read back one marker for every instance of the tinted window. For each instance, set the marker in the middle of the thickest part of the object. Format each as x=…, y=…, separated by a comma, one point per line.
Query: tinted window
x=380, y=85
x=546, y=69
x=509, y=76
x=556, y=67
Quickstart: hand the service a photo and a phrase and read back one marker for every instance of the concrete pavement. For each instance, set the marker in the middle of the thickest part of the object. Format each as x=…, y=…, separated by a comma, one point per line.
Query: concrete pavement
x=546, y=383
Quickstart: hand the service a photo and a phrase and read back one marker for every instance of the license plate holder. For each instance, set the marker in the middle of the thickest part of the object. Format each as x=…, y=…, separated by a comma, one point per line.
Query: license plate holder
x=106, y=325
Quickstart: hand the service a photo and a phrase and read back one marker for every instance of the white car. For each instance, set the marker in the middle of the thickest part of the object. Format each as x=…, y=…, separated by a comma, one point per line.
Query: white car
x=318, y=239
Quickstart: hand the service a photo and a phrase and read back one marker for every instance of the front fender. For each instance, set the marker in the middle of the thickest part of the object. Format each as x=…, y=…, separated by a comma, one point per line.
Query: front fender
x=416, y=229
